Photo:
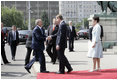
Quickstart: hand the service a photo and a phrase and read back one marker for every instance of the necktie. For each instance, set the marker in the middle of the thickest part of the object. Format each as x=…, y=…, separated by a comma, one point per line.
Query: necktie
x=14, y=36
x=41, y=31
x=70, y=28
x=53, y=28
x=2, y=34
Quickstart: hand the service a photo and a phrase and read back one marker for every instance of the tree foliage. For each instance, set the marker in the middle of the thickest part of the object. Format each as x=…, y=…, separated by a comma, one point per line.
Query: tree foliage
x=45, y=20
x=12, y=16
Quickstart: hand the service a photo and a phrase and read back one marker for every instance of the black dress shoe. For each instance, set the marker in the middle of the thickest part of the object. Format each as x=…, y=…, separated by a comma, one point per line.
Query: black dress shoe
x=69, y=70
x=53, y=62
x=27, y=70
x=44, y=71
x=60, y=72
x=13, y=59
x=71, y=51
x=7, y=62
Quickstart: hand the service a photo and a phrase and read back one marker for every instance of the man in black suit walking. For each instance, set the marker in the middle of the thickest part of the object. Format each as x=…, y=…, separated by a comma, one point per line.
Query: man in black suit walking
x=51, y=43
x=2, y=46
x=71, y=36
x=29, y=49
x=61, y=44
x=13, y=41
x=38, y=38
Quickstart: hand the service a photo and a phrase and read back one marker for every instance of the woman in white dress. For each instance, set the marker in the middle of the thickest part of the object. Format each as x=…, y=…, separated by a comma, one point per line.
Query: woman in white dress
x=95, y=45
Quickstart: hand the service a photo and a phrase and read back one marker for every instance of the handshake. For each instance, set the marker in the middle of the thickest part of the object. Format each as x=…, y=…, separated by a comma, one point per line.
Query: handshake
x=49, y=38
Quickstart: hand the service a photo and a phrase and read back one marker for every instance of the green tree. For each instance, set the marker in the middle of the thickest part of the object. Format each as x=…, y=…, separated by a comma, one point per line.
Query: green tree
x=86, y=23
x=45, y=20
x=12, y=16
x=78, y=26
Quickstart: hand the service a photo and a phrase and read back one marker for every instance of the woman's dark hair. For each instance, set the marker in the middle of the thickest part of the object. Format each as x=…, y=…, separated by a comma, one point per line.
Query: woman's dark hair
x=96, y=18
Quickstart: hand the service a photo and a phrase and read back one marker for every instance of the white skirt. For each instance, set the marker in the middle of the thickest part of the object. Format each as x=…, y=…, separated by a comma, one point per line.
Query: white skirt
x=96, y=52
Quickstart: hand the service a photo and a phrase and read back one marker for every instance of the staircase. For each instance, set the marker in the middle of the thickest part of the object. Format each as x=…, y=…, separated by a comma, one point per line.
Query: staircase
x=112, y=50
x=110, y=47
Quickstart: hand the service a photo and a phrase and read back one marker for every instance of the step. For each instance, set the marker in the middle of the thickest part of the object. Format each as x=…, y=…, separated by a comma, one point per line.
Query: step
x=115, y=47
x=109, y=50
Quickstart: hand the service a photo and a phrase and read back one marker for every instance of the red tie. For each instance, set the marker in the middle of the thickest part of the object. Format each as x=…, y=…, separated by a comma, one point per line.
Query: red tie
x=53, y=28
x=2, y=34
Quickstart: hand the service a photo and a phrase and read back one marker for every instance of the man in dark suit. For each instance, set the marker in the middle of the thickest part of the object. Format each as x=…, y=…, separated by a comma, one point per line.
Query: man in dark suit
x=71, y=36
x=38, y=38
x=61, y=44
x=29, y=49
x=2, y=46
x=51, y=44
x=13, y=41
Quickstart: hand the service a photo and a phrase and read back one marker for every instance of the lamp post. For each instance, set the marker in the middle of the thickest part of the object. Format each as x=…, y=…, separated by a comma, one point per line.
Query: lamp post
x=29, y=16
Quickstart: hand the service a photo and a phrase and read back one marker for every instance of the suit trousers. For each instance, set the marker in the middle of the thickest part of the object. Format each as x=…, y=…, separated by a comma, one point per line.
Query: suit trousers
x=3, y=54
x=41, y=58
x=71, y=44
x=13, y=47
x=27, y=58
x=51, y=51
x=63, y=61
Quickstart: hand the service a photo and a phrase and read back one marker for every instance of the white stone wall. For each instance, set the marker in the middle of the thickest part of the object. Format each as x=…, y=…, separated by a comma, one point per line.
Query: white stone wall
x=77, y=10
x=109, y=26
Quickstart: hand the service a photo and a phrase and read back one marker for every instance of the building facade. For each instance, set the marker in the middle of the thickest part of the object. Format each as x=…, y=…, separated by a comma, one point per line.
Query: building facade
x=76, y=11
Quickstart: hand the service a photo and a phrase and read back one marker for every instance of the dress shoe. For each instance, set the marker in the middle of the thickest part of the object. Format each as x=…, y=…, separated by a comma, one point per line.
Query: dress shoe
x=53, y=62
x=71, y=51
x=44, y=71
x=27, y=69
x=60, y=72
x=93, y=70
x=98, y=69
x=69, y=70
x=13, y=59
x=8, y=63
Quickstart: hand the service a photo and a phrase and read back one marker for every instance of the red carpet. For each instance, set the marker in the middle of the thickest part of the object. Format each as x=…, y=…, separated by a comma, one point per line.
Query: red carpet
x=103, y=74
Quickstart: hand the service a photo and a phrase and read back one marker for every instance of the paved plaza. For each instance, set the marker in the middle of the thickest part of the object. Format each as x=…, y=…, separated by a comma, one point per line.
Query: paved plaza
x=77, y=59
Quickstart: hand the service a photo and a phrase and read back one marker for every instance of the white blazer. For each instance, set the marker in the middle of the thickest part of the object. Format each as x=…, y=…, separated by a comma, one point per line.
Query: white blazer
x=95, y=52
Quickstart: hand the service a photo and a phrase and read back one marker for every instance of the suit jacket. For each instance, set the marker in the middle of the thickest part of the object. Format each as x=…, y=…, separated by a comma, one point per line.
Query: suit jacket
x=38, y=38
x=2, y=39
x=29, y=40
x=62, y=35
x=71, y=34
x=10, y=37
x=52, y=33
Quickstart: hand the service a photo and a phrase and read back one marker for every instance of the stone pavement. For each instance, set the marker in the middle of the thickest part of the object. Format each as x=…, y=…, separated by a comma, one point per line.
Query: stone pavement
x=77, y=59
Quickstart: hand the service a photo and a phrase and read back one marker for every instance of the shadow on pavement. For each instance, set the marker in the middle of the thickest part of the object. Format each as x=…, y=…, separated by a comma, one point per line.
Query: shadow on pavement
x=13, y=74
x=15, y=64
x=20, y=59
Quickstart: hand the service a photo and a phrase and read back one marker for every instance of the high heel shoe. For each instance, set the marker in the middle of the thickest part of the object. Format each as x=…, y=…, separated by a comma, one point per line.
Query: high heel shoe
x=92, y=70
x=98, y=69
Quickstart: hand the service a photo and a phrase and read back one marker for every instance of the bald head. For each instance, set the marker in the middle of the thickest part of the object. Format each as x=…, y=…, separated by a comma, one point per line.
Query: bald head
x=70, y=23
x=38, y=22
